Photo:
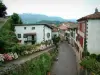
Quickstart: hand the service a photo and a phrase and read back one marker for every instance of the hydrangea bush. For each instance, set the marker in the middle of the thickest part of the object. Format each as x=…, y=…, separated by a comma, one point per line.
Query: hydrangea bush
x=8, y=56
x=18, y=50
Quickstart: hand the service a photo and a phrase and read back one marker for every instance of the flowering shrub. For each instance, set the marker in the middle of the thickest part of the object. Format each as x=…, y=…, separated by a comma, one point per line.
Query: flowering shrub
x=8, y=57
x=15, y=50
x=42, y=47
x=24, y=53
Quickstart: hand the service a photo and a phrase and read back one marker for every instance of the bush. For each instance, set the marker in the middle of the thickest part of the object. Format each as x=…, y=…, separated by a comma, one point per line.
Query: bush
x=85, y=54
x=2, y=43
x=93, y=56
x=98, y=58
x=91, y=64
x=37, y=66
x=56, y=40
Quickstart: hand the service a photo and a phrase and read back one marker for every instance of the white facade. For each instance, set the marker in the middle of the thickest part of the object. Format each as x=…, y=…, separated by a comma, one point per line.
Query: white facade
x=40, y=32
x=72, y=36
x=48, y=30
x=93, y=36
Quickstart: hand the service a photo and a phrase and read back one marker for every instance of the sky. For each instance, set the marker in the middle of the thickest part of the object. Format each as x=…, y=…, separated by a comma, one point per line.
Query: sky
x=67, y=9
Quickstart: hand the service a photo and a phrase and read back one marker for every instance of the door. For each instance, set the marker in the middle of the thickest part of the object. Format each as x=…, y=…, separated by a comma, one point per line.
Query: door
x=33, y=39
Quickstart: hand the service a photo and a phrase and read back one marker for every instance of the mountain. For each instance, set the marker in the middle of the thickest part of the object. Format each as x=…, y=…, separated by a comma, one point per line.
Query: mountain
x=49, y=22
x=37, y=18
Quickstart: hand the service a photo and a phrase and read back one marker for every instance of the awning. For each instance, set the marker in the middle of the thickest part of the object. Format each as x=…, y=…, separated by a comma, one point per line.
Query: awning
x=30, y=33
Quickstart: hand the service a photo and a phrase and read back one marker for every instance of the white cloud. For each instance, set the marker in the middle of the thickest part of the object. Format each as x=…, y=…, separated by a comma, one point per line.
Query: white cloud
x=62, y=8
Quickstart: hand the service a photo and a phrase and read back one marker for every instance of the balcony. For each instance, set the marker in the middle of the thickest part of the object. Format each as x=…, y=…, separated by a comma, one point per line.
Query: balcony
x=81, y=33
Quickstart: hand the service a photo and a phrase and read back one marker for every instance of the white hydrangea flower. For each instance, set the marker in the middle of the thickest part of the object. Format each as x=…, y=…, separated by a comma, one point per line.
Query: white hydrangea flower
x=30, y=52
x=15, y=55
x=47, y=45
x=26, y=52
x=1, y=58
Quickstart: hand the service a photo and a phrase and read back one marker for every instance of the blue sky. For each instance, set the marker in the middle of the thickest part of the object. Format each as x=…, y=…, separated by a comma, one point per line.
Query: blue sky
x=67, y=9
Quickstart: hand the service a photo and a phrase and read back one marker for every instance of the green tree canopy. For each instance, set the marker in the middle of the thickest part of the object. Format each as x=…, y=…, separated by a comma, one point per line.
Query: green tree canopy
x=2, y=9
x=16, y=19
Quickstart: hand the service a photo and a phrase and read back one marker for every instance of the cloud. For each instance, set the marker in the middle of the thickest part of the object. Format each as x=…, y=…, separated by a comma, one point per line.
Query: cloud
x=62, y=8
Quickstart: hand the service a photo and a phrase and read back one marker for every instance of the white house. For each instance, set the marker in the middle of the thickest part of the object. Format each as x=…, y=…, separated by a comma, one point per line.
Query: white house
x=33, y=33
x=55, y=31
x=89, y=28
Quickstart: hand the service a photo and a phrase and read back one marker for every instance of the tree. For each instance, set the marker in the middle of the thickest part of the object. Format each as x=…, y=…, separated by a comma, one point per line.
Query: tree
x=2, y=9
x=56, y=40
x=16, y=19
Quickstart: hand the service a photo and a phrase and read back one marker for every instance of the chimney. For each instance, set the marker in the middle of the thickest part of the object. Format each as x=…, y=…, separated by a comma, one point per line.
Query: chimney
x=96, y=10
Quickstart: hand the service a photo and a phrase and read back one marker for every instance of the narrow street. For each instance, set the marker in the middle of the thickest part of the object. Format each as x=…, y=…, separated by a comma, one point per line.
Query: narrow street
x=66, y=64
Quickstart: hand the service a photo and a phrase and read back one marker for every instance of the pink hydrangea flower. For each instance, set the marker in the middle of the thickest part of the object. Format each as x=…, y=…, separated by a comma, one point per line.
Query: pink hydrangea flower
x=7, y=57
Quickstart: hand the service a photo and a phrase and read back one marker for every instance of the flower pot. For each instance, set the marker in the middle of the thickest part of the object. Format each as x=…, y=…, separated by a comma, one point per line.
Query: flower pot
x=48, y=73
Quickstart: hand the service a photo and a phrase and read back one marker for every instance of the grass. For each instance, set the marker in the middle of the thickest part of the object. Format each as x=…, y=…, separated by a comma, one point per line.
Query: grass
x=2, y=21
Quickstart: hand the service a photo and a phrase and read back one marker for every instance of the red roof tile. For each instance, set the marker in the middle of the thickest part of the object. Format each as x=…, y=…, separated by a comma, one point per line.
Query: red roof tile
x=96, y=15
x=63, y=27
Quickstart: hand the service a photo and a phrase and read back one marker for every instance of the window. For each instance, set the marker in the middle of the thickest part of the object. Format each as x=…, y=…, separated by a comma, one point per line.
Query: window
x=33, y=28
x=24, y=36
x=24, y=27
x=29, y=38
x=48, y=35
x=19, y=35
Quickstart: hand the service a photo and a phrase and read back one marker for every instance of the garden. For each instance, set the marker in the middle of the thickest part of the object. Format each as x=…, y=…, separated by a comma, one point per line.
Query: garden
x=40, y=65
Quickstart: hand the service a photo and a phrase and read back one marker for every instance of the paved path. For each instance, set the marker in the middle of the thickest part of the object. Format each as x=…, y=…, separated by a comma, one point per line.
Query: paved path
x=66, y=64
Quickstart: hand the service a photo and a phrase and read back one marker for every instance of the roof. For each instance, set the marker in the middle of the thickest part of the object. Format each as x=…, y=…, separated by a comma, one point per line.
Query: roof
x=74, y=25
x=69, y=25
x=33, y=25
x=63, y=27
x=54, y=28
x=96, y=15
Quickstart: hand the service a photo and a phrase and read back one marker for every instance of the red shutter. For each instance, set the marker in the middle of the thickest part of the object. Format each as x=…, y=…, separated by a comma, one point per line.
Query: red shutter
x=81, y=41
